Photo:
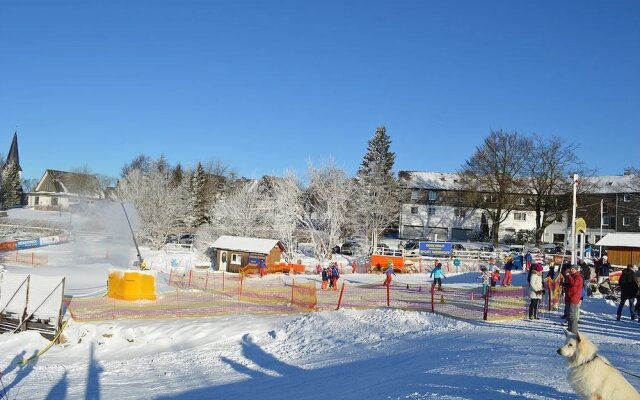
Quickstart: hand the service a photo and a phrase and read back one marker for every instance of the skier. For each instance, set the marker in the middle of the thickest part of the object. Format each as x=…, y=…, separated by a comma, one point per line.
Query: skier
x=262, y=267
x=437, y=274
x=388, y=272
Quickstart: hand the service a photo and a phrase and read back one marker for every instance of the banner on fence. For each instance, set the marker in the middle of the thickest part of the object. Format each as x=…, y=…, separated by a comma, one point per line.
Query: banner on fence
x=436, y=249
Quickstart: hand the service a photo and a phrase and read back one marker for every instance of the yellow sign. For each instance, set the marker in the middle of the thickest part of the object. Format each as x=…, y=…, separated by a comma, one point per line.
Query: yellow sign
x=581, y=225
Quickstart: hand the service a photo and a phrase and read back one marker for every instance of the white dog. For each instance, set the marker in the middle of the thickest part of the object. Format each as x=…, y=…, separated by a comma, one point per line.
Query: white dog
x=591, y=375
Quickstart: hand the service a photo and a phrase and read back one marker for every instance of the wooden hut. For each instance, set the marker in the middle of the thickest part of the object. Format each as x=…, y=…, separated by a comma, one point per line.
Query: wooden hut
x=622, y=248
x=236, y=252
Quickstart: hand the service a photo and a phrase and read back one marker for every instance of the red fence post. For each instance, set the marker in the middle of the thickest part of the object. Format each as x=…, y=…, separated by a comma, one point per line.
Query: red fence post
x=206, y=282
x=433, y=297
x=388, y=295
x=222, y=281
x=293, y=284
x=190, y=272
x=486, y=305
x=32, y=255
x=340, y=298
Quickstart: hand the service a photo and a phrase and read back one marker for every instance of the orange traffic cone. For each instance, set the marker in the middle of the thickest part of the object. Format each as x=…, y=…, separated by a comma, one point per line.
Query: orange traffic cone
x=441, y=299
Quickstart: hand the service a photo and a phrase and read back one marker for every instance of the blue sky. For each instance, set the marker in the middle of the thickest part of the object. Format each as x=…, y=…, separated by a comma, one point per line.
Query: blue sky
x=265, y=86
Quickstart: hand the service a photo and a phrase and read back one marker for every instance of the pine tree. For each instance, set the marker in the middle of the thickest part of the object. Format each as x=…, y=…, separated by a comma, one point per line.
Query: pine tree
x=11, y=186
x=198, y=201
x=378, y=161
x=176, y=176
x=378, y=203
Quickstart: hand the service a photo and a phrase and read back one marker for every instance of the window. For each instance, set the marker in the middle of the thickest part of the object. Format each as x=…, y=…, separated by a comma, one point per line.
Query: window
x=54, y=201
x=236, y=259
x=431, y=211
x=605, y=209
x=432, y=196
x=626, y=197
x=459, y=213
x=519, y=216
x=605, y=220
x=626, y=221
x=414, y=210
x=414, y=195
x=489, y=198
x=559, y=217
x=521, y=201
x=37, y=200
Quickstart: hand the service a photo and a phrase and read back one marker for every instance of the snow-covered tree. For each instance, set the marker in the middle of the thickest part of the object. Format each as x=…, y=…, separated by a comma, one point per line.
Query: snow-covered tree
x=328, y=199
x=197, y=200
x=161, y=208
x=241, y=213
x=377, y=190
x=287, y=211
x=11, y=185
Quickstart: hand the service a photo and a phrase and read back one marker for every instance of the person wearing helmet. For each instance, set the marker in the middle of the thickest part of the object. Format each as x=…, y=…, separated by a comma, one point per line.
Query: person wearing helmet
x=535, y=290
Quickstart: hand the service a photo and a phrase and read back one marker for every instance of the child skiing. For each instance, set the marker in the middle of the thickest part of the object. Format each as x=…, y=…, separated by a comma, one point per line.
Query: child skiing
x=495, y=278
x=485, y=276
x=389, y=272
x=437, y=274
x=325, y=279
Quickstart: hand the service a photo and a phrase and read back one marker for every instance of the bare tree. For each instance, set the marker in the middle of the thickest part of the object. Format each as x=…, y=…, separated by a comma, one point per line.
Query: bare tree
x=161, y=207
x=549, y=165
x=493, y=175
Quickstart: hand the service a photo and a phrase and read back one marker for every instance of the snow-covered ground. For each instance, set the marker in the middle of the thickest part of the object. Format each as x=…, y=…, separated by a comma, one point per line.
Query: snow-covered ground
x=346, y=354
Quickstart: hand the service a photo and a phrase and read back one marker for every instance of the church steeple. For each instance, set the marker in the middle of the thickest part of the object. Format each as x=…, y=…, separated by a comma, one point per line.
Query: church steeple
x=13, y=155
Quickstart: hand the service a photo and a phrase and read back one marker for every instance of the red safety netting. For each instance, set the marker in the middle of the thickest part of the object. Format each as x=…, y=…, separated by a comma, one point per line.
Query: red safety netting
x=201, y=294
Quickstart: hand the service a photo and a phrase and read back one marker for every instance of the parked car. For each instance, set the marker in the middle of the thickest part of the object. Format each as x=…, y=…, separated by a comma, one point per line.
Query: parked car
x=187, y=238
x=348, y=248
x=171, y=238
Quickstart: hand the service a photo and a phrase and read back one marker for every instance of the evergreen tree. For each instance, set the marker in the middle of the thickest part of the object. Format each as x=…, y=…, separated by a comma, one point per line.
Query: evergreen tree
x=176, y=176
x=378, y=205
x=198, y=201
x=11, y=186
x=378, y=161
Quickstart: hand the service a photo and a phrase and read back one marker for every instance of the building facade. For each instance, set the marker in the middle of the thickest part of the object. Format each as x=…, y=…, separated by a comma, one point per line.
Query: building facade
x=434, y=207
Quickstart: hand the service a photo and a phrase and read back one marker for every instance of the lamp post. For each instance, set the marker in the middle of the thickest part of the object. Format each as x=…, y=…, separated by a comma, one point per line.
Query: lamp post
x=573, y=220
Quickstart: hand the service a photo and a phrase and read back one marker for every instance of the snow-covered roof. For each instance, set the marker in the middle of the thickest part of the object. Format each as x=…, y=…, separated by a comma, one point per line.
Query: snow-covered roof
x=246, y=244
x=430, y=180
x=611, y=184
x=450, y=181
x=620, y=240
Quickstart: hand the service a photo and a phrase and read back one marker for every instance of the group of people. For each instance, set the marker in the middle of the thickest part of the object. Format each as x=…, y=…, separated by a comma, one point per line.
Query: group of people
x=330, y=276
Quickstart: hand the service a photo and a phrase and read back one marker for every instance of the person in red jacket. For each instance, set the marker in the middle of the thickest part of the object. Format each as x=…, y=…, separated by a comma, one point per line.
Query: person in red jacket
x=573, y=296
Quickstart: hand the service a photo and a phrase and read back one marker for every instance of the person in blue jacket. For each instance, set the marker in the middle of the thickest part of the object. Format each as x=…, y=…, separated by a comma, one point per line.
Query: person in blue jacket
x=389, y=272
x=437, y=274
